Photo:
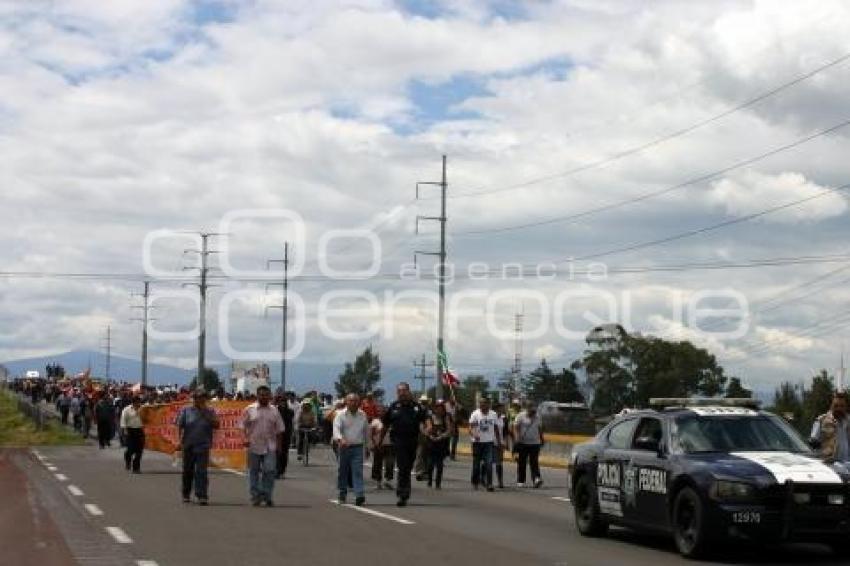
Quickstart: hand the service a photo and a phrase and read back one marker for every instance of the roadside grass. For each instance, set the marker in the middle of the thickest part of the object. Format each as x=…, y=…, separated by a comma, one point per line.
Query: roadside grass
x=18, y=430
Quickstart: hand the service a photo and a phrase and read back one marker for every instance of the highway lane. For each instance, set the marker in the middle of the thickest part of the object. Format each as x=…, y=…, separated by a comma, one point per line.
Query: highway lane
x=455, y=525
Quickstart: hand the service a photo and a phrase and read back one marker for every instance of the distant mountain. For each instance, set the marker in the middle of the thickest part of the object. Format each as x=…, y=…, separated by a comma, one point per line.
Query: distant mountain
x=301, y=376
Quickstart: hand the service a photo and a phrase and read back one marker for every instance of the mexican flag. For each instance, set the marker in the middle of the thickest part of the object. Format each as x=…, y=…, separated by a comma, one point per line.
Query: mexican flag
x=448, y=376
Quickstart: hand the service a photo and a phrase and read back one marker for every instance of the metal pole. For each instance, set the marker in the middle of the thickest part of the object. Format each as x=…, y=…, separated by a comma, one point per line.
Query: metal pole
x=442, y=281
x=283, y=339
x=202, y=334
x=108, y=349
x=145, y=336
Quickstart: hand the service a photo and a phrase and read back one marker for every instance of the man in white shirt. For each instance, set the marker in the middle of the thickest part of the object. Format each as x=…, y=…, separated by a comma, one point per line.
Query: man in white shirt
x=350, y=431
x=263, y=428
x=484, y=433
x=134, y=433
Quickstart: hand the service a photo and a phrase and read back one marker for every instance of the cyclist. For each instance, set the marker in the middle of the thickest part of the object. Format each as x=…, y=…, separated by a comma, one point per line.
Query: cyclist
x=306, y=424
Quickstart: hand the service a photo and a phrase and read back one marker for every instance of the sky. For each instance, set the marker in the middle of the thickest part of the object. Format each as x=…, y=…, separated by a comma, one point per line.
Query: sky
x=693, y=153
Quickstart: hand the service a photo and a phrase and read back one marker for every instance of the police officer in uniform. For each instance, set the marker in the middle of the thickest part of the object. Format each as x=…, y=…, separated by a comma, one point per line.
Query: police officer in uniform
x=831, y=431
x=405, y=419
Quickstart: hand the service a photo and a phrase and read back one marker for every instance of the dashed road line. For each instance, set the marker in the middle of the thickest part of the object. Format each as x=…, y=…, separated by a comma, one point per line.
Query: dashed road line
x=119, y=535
x=93, y=510
x=374, y=513
x=52, y=469
x=61, y=477
x=146, y=563
x=75, y=491
x=566, y=499
x=232, y=471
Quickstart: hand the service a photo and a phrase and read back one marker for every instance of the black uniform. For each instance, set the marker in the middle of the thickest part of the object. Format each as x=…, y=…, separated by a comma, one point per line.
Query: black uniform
x=288, y=416
x=404, y=419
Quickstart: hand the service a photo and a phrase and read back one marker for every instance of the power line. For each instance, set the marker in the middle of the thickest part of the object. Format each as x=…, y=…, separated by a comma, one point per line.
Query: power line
x=389, y=276
x=653, y=194
x=709, y=228
x=662, y=139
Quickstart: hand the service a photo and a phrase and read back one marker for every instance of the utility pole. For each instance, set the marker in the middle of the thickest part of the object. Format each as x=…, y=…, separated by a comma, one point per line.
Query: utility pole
x=108, y=349
x=423, y=376
x=517, y=369
x=441, y=278
x=285, y=284
x=204, y=254
x=145, y=319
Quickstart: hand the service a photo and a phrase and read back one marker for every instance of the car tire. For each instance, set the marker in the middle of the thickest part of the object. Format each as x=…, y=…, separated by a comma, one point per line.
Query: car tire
x=588, y=517
x=689, y=531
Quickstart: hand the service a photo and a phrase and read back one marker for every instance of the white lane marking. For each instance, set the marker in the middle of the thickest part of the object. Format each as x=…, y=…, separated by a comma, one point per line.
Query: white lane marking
x=119, y=535
x=232, y=471
x=373, y=512
x=75, y=491
x=146, y=563
x=52, y=468
x=93, y=509
x=61, y=477
x=566, y=499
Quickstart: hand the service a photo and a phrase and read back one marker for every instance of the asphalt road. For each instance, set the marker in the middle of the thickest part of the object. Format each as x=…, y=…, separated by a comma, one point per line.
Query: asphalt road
x=93, y=495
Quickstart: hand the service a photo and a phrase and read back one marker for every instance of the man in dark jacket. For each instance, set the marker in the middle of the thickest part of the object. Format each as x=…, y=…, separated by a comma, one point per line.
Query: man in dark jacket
x=288, y=416
x=104, y=414
x=404, y=420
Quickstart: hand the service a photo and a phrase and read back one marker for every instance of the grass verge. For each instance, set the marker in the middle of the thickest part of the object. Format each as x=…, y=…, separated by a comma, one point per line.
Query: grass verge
x=18, y=430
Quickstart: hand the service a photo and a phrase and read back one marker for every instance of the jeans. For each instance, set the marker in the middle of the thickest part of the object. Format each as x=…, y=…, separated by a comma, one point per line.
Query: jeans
x=482, y=457
x=135, y=447
x=261, y=475
x=104, y=432
x=405, y=454
x=439, y=450
x=283, y=455
x=383, y=464
x=196, y=462
x=527, y=453
x=453, y=447
x=351, y=463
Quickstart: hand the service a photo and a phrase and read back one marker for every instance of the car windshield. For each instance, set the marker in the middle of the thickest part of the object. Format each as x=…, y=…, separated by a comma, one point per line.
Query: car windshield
x=762, y=433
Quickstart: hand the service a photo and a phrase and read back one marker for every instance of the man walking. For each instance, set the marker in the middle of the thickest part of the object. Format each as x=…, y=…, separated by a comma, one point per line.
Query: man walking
x=484, y=432
x=831, y=431
x=404, y=420
x=195, y=426
x=134, y=433
x=263, y=428
x=350, y=431
x=528, y=434
x=288, y=416
x=383, y=460
x=104, y=413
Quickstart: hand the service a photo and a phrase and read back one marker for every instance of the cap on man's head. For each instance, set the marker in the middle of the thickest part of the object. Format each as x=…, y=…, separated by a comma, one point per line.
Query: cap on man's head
x=199, y=392
x=424, y=399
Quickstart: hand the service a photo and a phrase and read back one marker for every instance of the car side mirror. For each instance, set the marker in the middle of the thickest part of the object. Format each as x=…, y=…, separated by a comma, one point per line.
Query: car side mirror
x=815, y=444
x=647, y=443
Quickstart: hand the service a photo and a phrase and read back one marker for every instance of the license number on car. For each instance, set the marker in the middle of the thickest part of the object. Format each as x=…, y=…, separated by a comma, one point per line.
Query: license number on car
x=746, y=517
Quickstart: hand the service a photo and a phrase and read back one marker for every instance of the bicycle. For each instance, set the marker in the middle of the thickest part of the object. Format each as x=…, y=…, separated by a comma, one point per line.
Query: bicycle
x=305, y=437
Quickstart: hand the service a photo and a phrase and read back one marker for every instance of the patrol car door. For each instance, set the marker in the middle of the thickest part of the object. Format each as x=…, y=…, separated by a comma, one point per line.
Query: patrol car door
x=645, y=474
x=609, y=469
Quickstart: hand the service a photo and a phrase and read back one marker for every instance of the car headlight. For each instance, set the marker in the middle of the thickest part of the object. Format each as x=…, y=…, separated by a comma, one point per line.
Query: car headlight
x=835, y=499
x=723, y=490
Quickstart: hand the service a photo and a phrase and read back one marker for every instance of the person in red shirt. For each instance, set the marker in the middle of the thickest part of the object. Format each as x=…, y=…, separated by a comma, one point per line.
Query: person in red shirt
x=369, y=406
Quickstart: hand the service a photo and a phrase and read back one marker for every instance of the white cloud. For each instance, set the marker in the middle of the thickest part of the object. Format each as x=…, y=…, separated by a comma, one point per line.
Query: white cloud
x=749, y=192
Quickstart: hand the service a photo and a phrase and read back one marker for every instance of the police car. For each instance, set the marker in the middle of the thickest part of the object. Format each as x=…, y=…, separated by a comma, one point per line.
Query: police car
x=705, y=470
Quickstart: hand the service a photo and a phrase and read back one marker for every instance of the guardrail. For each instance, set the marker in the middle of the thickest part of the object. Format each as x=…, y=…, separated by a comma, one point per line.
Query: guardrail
x=38, y=413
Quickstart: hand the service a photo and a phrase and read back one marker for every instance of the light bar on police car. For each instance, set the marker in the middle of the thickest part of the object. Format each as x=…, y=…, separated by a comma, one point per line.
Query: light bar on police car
x=665, y=402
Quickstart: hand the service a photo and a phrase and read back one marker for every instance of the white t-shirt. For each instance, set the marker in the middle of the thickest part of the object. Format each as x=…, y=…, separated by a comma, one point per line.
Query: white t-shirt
x=485, y=425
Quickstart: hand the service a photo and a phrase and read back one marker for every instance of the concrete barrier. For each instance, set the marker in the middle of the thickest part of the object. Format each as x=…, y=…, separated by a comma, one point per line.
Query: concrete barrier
x=554, y=454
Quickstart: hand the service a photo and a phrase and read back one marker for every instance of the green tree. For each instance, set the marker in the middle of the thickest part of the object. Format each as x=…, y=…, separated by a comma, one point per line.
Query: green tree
x=788, y=404
x=362, y=376
x=816, y=399
x=543, y=384
x=736, y=390
x=611, y=381
x=210, y=381
x=469, y=387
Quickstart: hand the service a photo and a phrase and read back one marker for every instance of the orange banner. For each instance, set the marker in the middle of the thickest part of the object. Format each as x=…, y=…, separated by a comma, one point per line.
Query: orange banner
x=227, y=450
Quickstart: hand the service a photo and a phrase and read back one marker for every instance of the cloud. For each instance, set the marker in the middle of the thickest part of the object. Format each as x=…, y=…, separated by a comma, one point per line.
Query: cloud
x=748, y=192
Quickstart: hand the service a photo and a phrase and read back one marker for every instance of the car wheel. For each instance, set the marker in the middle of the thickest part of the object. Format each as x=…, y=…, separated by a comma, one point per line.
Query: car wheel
x=588, y=517
x=689, y=524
